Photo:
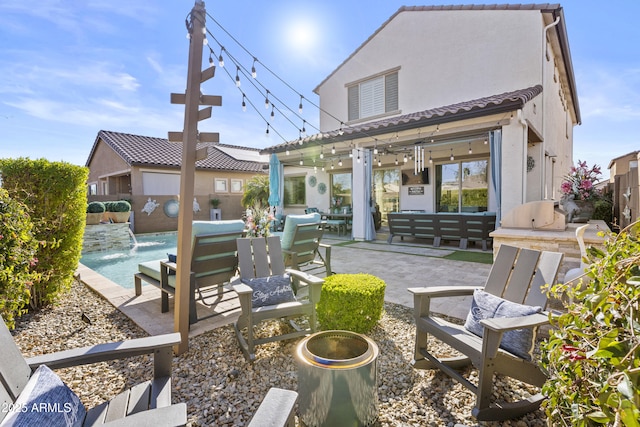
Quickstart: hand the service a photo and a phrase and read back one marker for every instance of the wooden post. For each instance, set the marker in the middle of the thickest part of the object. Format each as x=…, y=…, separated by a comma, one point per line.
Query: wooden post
x=187, y=176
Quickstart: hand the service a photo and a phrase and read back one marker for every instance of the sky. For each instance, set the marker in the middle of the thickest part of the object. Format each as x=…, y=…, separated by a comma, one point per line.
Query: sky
x=70, y=68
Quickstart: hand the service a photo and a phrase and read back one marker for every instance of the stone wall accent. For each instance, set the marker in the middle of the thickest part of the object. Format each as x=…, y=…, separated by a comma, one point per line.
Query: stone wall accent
x=556, y=241
x=104, y=237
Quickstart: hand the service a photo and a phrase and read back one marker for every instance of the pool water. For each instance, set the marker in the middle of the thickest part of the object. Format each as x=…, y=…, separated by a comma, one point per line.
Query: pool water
x=120, y=266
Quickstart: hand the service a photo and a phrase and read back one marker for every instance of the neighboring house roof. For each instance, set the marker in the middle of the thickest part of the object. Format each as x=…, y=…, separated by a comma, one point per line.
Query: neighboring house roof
x=503, y=102
x=137, y=150
x=628, y=155
x=554, y=8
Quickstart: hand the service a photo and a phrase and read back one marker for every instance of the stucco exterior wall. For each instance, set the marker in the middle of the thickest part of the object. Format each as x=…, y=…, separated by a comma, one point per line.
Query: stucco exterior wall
x=109, y=162
x=444, y=57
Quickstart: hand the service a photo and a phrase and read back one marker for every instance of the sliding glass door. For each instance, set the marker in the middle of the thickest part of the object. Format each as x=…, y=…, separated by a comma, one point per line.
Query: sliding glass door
x=462, y=186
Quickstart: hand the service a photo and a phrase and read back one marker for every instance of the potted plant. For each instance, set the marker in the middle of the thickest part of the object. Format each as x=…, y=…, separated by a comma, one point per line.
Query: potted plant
x=95, y=210
x=579, y=192
x=118, y=211
x=216, y=213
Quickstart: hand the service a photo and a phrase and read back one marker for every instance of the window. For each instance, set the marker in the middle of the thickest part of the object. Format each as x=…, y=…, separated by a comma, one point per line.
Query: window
x=462, y=187
x=157, y=184
x=236, y=185
x=373, y=97
x=221, y=185
x=340, y=190
x=294, y=190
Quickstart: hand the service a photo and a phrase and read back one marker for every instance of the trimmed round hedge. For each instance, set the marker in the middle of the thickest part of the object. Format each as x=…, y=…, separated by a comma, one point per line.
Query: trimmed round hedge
x=351, y=302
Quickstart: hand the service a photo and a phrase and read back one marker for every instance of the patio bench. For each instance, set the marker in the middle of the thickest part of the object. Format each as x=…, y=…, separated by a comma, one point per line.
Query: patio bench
x=463, y=227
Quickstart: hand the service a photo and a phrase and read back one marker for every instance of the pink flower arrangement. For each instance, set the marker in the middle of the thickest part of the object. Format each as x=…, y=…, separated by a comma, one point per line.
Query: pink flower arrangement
x=581, y=182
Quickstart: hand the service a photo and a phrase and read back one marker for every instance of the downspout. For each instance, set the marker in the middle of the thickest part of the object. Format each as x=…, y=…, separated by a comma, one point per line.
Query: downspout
x=543, y=174
x=525, y=143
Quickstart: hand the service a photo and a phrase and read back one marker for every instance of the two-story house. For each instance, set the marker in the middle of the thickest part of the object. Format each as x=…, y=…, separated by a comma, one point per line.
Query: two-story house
x=443, y=109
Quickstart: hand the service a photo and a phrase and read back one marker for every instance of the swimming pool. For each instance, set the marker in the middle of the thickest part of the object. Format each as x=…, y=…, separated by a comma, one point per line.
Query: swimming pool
x=120, y=266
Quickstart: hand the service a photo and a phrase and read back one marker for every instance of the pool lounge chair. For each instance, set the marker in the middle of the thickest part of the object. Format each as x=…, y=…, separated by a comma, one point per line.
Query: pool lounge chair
x=28, y=382
x=213, y=263
x=301, y=244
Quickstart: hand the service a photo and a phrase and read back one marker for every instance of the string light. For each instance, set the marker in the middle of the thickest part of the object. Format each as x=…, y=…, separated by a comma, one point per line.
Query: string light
x=304, y=130
x=267, y=131
x=485, y=141
x=339, y=161
x=451, y=157
x=379, y=162
x=204, y=40
x=211, y=59
x=333, y=149
x=321, y=152
x=331, y=165
x=375, y=148
x=273, y=114
x=430, y=159
x=254, y=74
x=266, y=100
x=396, y=160
x=405, y=159
x=301, y=161
x=237, y=76
x=287, y=152
x=244, y=104
x=358, y=159
x=470, y=150
x=220, y=58
x=300, y=105
x=340, y=131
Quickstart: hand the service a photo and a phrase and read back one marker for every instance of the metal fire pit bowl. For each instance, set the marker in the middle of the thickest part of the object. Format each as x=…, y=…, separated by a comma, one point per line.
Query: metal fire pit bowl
x=337, y=379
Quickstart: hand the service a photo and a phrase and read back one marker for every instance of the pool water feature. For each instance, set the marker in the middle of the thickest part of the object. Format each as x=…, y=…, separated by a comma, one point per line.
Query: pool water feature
x=120, y=266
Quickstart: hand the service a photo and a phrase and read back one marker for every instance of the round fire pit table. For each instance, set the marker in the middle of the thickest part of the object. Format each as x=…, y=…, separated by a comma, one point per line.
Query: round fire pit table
x=337, y=379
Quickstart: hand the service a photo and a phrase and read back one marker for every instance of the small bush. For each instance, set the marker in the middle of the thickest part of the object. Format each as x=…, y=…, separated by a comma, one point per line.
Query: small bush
x=17, y=258
x=352, y=302
x=117, y=206
x=95, y=207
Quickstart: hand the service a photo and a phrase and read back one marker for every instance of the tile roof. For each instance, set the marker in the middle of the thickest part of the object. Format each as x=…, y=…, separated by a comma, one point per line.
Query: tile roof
x=503, y=102
x=139, y=150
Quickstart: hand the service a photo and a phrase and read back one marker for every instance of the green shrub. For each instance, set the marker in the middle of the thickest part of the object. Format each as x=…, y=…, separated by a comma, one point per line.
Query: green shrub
x=121, y=206
x=352, y=302
x=95, y=207
x=593, y=353
x=56, y=196
x=17, y=258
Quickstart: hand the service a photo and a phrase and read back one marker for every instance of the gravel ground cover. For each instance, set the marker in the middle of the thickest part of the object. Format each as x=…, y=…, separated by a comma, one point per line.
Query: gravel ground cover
x=222, y=389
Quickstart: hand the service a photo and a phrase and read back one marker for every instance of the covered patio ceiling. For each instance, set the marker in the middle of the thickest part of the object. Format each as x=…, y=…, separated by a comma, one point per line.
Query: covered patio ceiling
x=459, y=130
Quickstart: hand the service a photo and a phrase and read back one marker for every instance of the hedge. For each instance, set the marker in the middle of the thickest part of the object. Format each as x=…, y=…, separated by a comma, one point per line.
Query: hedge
x=55, y=194
x=17, y=258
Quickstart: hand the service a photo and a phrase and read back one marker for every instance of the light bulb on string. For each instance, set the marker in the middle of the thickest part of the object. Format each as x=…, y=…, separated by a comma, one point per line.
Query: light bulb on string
x=470, y=150
x=405, y=159
x=300, y=105
x=266, y=101
x=254, y=74
x=304, y=130
x=379, y=162
x=430, y=159
x=375, y=149
x=244, y=104
x=204, y=30
x=358, y=158
x=220, y=58
x=267, y=131
x=333, y=149
x=321, y=153
x=301, y=161
x=485, y=141
x=210, y=60
x=205, y=41
x=322, y=168
x=300, y=137
x=287, y=152
x=340, y=131
x=237, y=76
x=451, y=157
x=396, y=160
x=339, y=161
x=273, y=114
x=332, y=165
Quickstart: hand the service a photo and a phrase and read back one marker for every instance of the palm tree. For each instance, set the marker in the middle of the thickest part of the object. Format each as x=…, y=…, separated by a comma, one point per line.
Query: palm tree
x=256, y=192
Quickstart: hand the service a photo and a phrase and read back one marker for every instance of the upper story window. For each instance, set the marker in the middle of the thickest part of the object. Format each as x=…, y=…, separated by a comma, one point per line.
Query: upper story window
x=372, y=97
